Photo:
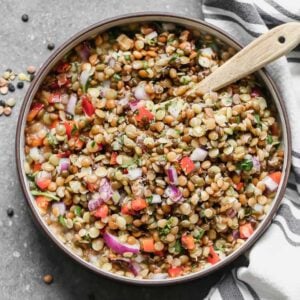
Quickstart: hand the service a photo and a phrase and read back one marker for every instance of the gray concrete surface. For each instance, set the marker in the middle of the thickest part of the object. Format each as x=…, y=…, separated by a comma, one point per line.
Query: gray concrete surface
x=25, y=254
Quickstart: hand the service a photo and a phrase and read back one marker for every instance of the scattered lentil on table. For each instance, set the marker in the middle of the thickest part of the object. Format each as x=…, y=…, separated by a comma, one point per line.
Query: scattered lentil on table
x=48, y=278
x=137, y=177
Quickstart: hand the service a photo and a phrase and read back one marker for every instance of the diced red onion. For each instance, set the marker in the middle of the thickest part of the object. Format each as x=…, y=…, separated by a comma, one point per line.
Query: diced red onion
x=60, y=206
x=111, y=62
x=105, y=190
x=134, y=174
x=84, y=52
x=256, y=163
x=134, y=267
x=172, y=175
x=134, y=104
x=84, y=77
x=198, y=154
x=64, y=165
x=72, y=104
x=113, y=243
x=150, y=36
x=231, y=213
x=95, y=202
x=173, y=193
x=160, y=276
x=140, y=93
x=124, y=101
x=235, y=234
x=256, y=92
x=156, y=199
x=270, y=184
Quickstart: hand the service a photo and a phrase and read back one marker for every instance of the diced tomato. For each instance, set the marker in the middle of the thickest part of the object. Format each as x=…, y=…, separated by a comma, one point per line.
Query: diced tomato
x=63, y=67
x=187, y=165
x=175, y=271
x=159, y=253
x=239, y=186
x=138, y=204
x=55, y=98
x=42, y=202
x=113, y=158
x=92, y=187
x=64, y=154
x=54, y=124
x=126, y=209
x=147, y=244
x=79, y=144
x=35, y=109
x=188, y=242
x=69, y=127
x=43, y=183
x=101, y=211
x=276, y=176
x=87, y=106
x=213, y=256
x=37, y=167
x=144, y=114
x=246, y=230
x=36, y=142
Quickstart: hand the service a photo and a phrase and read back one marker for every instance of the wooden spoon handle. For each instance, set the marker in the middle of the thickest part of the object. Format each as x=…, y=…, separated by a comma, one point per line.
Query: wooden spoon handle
x=268, y=47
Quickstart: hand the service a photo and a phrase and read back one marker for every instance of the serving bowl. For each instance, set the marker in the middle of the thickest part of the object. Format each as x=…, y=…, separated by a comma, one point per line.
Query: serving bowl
x=105, y=25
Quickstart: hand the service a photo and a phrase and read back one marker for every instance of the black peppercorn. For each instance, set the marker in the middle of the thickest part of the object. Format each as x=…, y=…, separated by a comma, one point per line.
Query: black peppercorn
x=25, y=18
x=10, y=212
x=51, y=46
x=11, y=87
x=2, y=103
x=20, y=85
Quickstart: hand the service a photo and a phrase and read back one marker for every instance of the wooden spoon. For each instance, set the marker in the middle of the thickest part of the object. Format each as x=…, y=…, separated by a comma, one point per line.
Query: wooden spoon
x=263, y=50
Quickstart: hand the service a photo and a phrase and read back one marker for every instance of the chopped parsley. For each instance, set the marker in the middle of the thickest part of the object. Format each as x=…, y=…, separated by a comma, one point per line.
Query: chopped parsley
x=269, y=139
x=149, y=199
x=245, y=165
x=178, y=248
x=116, y=77
x=62, y=221
x=198, y=236
x=77, y=210
x=174, y=57
x=74, y=130
x=127, y=57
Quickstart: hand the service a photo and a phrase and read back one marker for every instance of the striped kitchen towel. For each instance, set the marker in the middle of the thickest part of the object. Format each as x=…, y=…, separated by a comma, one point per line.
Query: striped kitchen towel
x=273, y=265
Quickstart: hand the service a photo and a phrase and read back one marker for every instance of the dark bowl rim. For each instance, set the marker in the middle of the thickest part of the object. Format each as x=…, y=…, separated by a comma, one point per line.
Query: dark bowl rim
x=197, y=275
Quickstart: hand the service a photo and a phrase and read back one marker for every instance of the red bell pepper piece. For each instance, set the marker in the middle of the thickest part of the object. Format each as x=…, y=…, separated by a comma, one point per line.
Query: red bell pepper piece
x=188, y=242
x=187, y=165
x=239, y=186
x=113, y=158
x=69, y=128
x=175, y=271
x=144, y=115
x=87, y=106
x=276, y=176
x=213, y=256
x=35, y=109
x=102, y=211
x=246, y=230
x=138, y=204
x=126, y=209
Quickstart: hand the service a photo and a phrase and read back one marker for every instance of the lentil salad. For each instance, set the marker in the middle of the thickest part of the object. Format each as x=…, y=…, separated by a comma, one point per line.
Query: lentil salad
x=134, y=176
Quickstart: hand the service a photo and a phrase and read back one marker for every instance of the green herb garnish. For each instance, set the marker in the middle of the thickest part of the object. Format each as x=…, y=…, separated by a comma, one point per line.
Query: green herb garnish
x=248, y=211
x=245, y=165
x=51, y=139
x=48, y=195
x=127, y=57
x=62, y=221
x=149, y=199
x=174, y=57
x=74, y=129
x=178, y=248
x=269, y=139
x=77, y=210
x=198, y=236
